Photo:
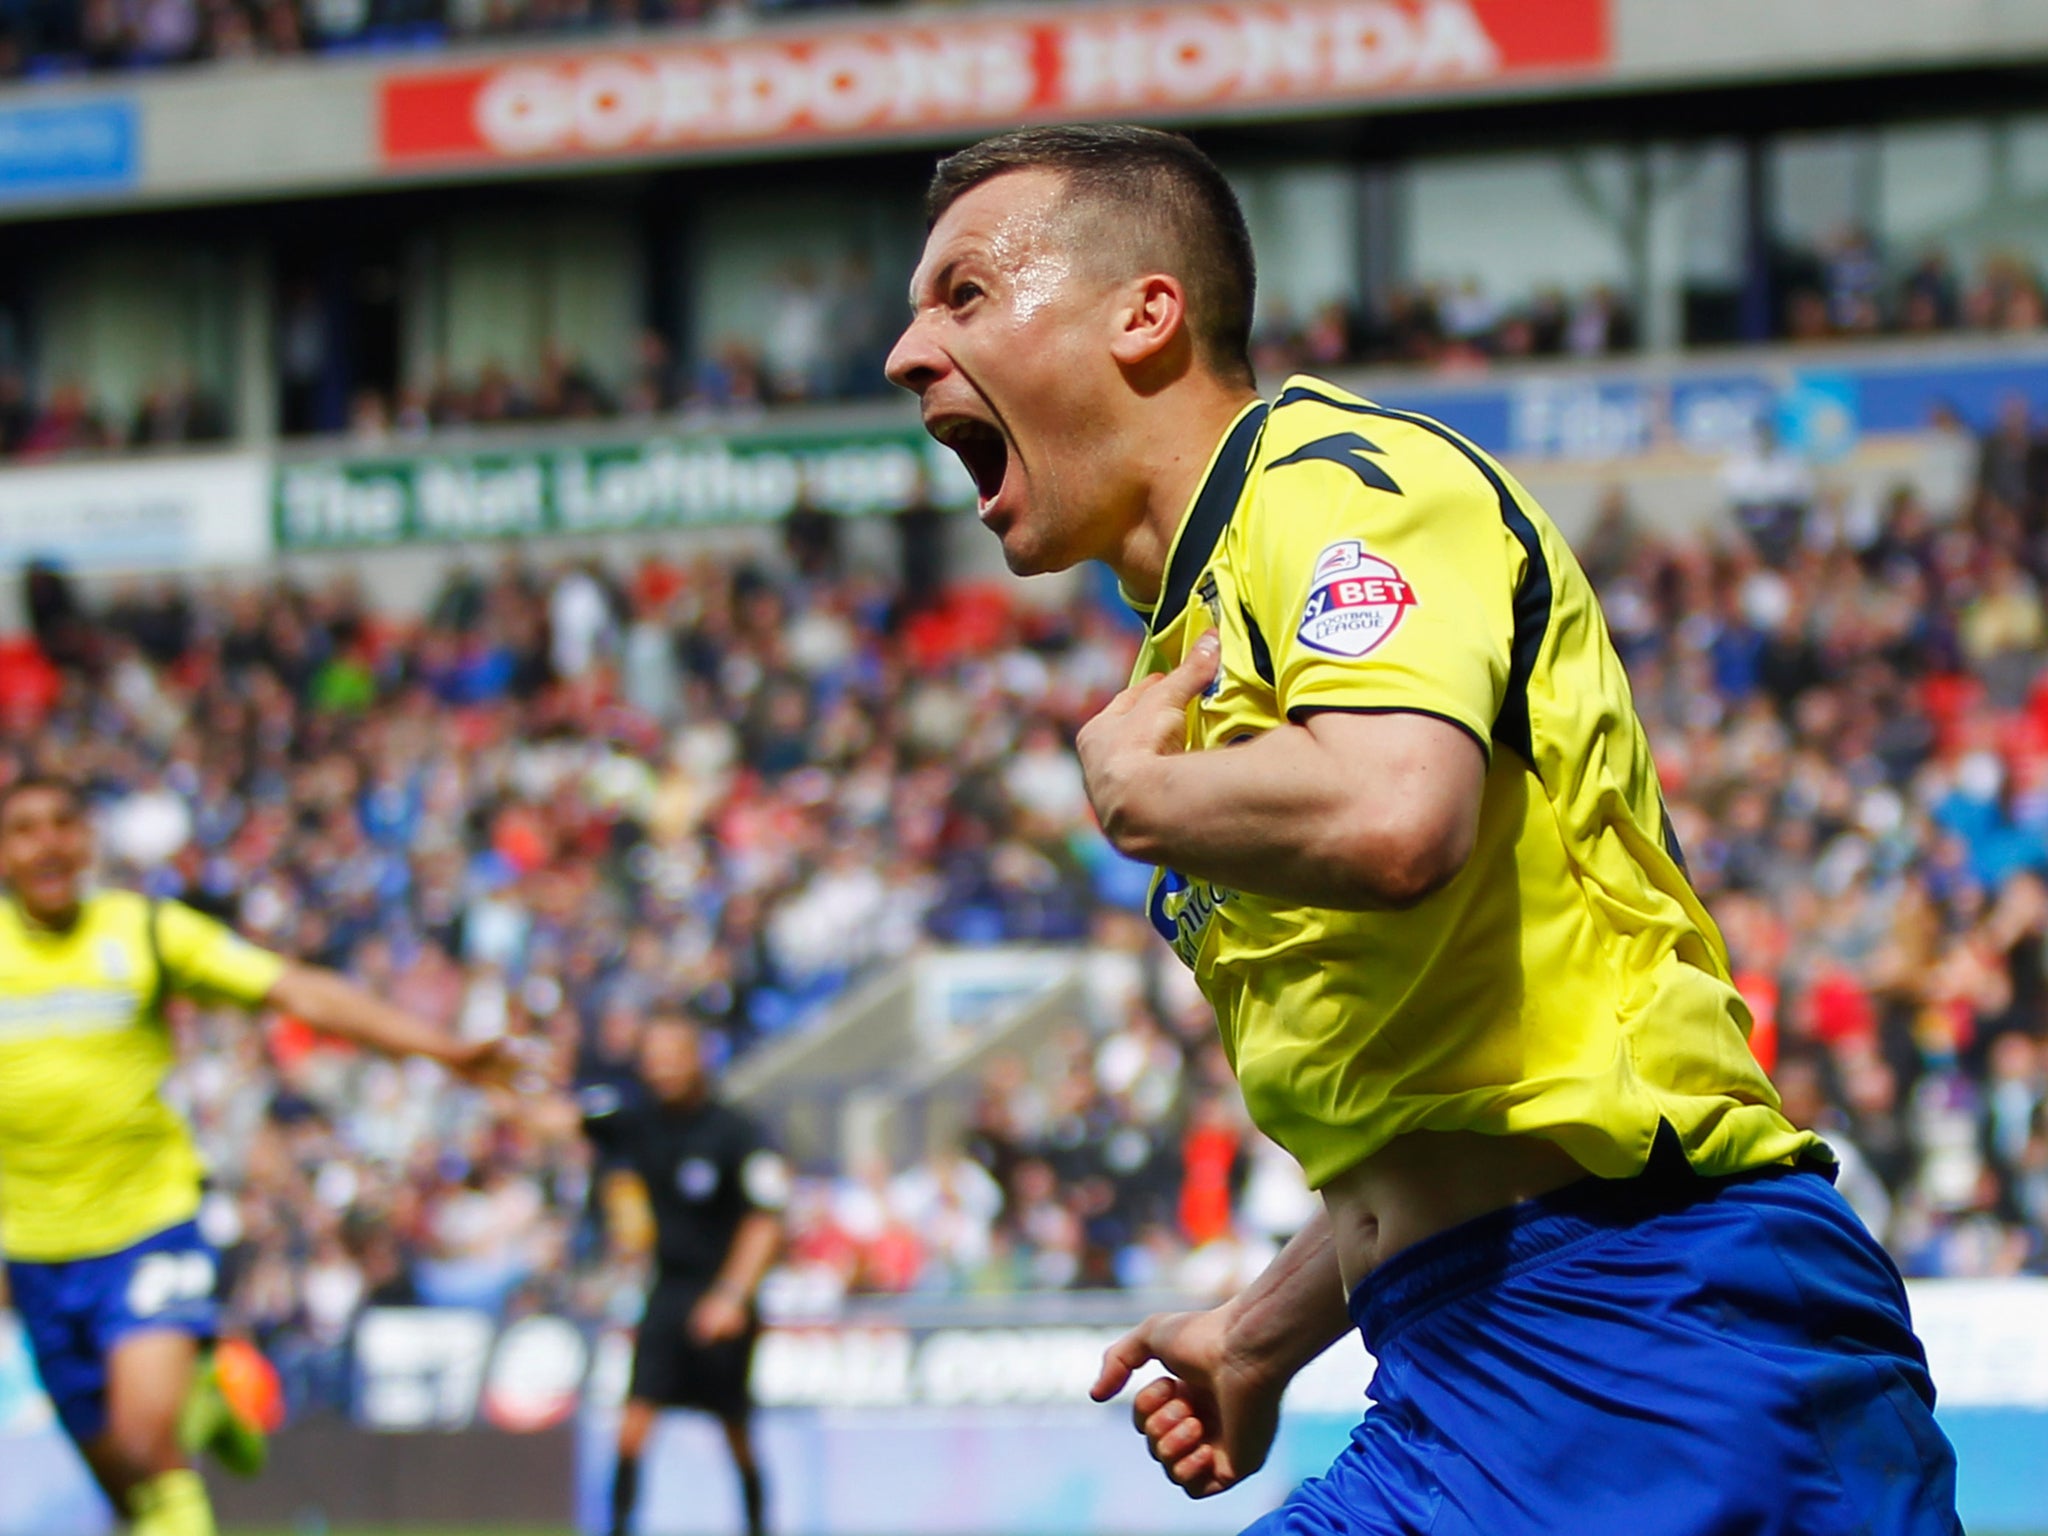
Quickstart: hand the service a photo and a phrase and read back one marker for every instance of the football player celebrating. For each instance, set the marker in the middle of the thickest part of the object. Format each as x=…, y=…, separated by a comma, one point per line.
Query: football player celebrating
x=1409, y=837
x=99, y=1179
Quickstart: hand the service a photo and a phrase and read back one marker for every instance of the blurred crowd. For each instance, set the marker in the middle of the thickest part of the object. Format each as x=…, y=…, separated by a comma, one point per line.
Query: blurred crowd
x=562, y=389
x=566, y=795
x=43, y=38
x=1849, y=286
x=66, y=420
x=1845, y=287
x=820, y=332
x=824, y=338
x=1447, y=325
x=1850, y=713
x=1118, y=1158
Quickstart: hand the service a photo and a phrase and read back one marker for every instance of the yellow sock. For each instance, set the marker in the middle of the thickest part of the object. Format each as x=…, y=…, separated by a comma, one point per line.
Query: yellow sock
x=172, y=1504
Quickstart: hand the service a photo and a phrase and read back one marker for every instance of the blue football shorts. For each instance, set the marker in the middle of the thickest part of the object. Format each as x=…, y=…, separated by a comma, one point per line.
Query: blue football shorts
x=77, y=1310
x=1663, y=1356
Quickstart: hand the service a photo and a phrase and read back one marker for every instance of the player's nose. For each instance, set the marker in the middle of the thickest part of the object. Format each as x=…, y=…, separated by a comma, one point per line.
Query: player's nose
x=915, y=362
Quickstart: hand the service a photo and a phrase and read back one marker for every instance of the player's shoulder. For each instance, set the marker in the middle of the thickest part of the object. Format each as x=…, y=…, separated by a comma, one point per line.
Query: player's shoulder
x=729, y=1119
x=161, y=914
x=112, y=901
x=1390, y=451
x=119, y=913
x=736, y=1131
x=1328, y=454
x=1308, y=409
x=183, y=933
x=1307, y=404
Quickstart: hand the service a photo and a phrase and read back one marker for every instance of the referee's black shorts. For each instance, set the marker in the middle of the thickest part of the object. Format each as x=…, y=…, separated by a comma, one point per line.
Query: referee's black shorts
x=673, y=1369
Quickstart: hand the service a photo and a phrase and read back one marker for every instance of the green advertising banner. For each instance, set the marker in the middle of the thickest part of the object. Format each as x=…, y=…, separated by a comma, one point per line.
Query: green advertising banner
x=614, y=487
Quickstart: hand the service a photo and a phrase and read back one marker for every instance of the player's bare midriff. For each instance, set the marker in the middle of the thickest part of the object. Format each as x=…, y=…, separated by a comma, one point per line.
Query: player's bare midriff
x=1429, y=1181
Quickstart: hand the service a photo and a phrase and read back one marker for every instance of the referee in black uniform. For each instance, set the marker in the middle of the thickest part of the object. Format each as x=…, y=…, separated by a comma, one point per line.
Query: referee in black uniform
x=717, y=1190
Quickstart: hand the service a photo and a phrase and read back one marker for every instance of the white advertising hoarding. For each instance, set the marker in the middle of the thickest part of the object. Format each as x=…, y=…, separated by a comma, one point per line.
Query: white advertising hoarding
x=183, y=512
x=1987, y=1341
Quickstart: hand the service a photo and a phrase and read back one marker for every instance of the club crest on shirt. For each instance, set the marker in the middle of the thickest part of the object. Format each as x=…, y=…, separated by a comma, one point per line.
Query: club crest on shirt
x=114, y=962
x=697, y=1178
x=1355, y=601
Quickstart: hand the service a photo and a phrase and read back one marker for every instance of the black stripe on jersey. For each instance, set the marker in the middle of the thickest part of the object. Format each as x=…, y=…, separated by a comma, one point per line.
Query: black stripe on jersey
x=1262, y=654
x=1298, y=395
x=1302, y=712
x=1671, y=845
x=1349, y=450
x=1209, y=516
x=1532, y=597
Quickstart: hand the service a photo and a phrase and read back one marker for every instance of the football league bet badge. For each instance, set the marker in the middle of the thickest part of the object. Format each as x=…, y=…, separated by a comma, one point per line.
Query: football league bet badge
x=1355, y=601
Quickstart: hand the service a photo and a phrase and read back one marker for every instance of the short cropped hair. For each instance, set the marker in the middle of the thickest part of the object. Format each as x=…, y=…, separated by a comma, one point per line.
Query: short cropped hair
x=1157, y=195
x=56, y=783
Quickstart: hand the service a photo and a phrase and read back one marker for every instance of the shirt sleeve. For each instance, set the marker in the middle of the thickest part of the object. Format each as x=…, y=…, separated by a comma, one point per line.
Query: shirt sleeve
x=605, y=1120
x=1377, y=596
x=764, y=1181
x=207, y=960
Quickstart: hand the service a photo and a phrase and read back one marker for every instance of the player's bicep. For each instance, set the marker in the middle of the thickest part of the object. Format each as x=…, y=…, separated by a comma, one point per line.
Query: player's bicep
x=1378, y=604
x=1415, y=773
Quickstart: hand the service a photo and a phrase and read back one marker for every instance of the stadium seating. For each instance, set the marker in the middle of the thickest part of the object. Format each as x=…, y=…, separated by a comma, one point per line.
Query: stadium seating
x=568, y=792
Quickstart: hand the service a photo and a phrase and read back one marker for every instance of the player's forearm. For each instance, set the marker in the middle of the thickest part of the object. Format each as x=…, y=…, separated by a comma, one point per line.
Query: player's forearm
x=752, y=1255
x=336, y=1006
x=1279, y=816
x=1295, y=1309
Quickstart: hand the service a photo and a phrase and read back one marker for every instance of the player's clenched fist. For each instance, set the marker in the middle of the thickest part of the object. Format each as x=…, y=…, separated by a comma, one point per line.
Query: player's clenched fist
x=1121, y=748
x=1210, y=1422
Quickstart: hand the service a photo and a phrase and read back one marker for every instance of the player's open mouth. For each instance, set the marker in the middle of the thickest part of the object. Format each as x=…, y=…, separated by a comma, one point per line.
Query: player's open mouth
x=49, y=886
x=982, y=448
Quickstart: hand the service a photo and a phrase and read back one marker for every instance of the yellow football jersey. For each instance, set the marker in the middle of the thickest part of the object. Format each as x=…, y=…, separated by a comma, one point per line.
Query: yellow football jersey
x=1567, y=983
x=91, y=1157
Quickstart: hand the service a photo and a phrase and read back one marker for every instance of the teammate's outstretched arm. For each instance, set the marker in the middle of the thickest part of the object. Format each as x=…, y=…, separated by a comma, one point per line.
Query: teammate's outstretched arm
x=1347, y=811
x=334, y=1005
x=1210, y=1420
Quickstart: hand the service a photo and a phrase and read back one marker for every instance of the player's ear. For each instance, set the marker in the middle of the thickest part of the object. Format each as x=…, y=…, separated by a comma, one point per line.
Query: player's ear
x=1149, y=319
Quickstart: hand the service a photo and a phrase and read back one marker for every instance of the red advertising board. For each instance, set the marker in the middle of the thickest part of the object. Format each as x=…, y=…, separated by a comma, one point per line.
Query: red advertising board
x=924, y=76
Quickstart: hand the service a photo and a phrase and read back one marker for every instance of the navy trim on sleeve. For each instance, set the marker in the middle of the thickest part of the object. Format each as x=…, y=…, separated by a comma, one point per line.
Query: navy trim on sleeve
x=1301, y=712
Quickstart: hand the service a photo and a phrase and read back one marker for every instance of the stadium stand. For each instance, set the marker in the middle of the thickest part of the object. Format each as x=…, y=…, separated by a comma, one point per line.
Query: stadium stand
x=42, y=40
x=815, y=352
x=402, y=405
x=567, y=792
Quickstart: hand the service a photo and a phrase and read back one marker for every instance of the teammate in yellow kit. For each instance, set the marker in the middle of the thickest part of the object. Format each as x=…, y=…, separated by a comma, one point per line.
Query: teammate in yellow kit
x=1409, y=837
x=99, y=1180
